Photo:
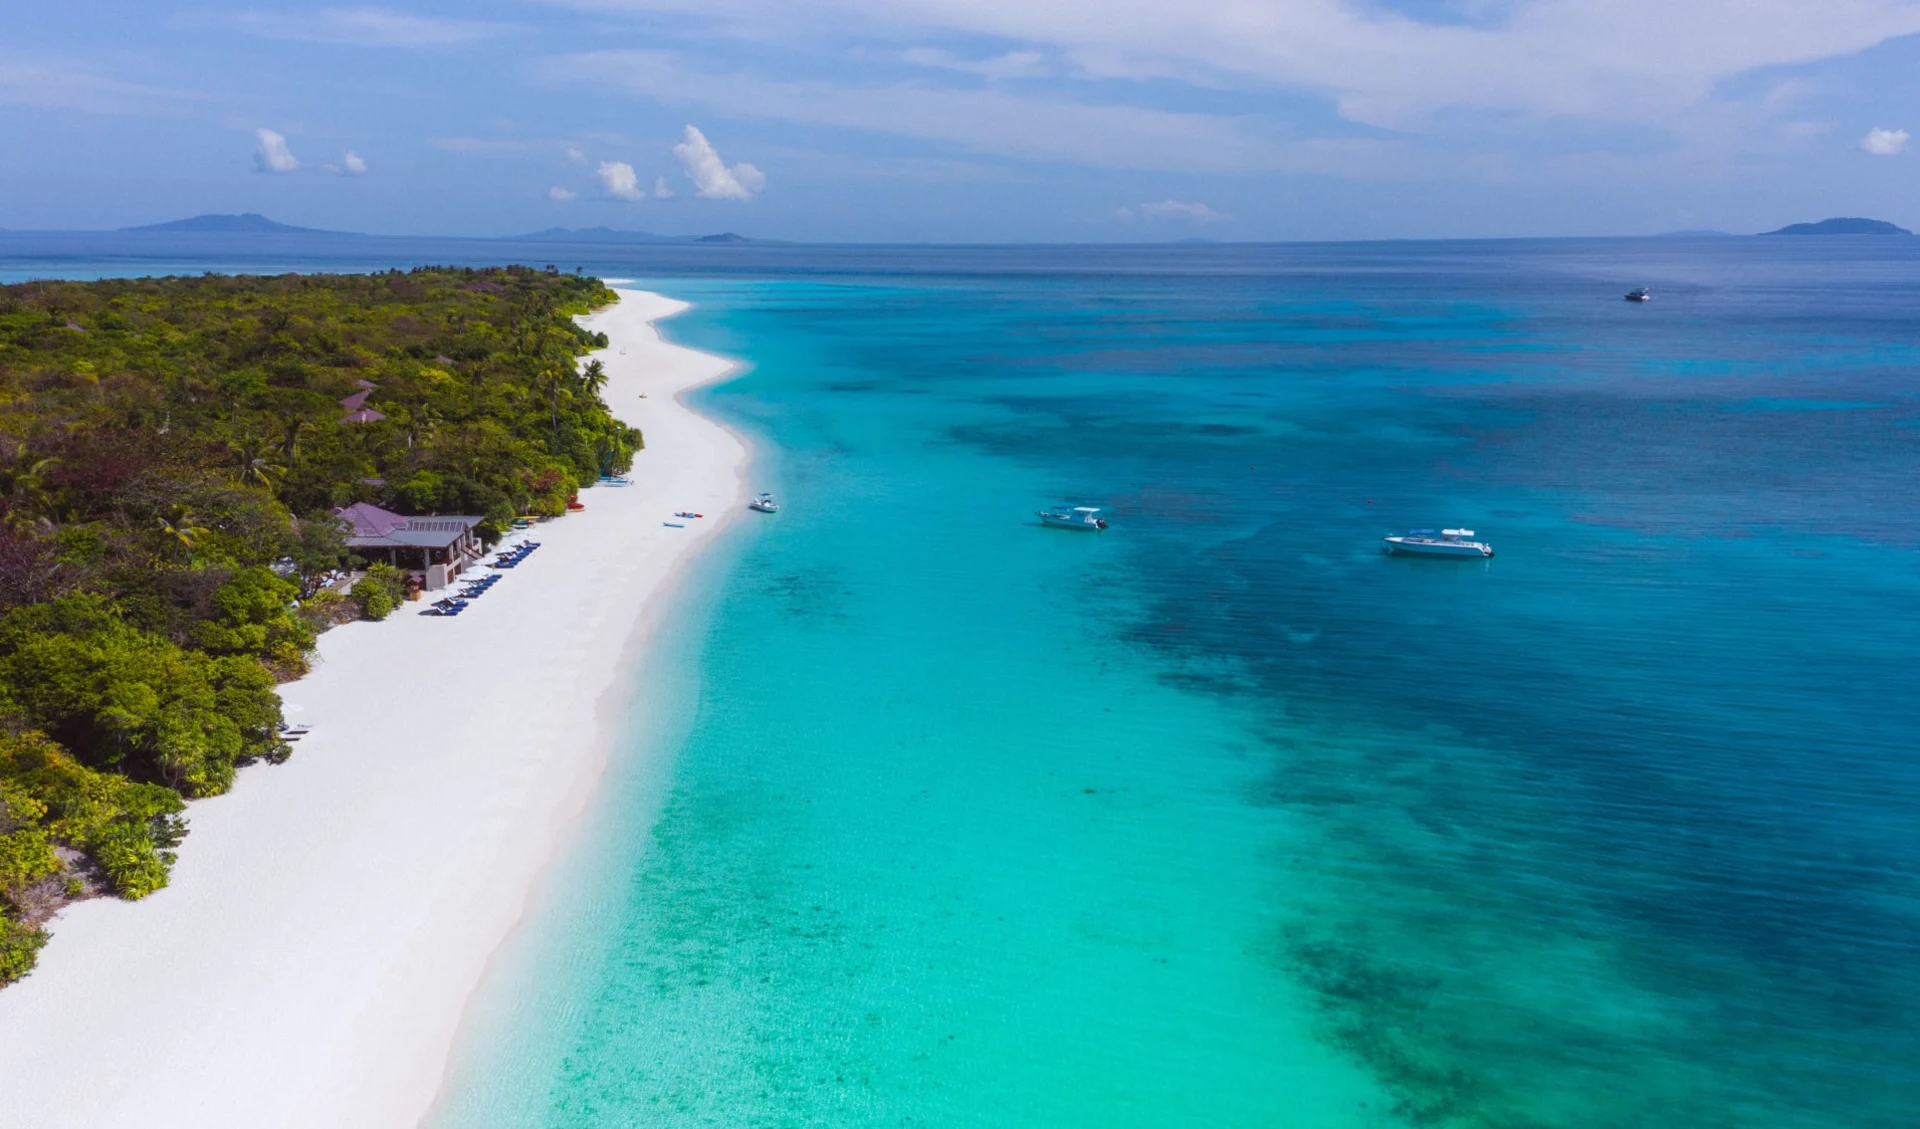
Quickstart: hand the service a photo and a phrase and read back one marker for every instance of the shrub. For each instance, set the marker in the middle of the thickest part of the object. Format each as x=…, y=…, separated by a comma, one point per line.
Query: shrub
x=19, y=948
x=380, y=591
x=128, y=699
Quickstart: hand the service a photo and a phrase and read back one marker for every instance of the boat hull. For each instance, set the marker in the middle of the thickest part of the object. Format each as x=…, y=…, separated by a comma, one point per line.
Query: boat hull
x=1397, y=547
x=1052, y=522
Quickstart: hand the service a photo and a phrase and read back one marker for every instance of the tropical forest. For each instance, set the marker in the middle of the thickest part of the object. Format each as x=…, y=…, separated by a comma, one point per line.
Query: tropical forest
x=172, y=451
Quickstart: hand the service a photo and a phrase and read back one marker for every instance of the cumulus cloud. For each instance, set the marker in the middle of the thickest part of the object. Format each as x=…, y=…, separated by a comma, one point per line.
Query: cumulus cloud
x=1883, y=142
x=1172, y=210
x=272, y=154
x=660, y=189
x=620, y=181
x=559, y=193
x=353, y=164
x=712, y=177
x=575, y=156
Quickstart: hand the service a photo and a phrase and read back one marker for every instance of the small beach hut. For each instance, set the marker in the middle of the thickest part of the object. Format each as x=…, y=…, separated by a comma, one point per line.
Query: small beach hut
x=433, y=549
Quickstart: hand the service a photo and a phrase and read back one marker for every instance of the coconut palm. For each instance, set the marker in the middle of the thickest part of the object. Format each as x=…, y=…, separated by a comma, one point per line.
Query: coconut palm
x=594, y=377
x=26, y=489
x=184, y=527
x=250, y=451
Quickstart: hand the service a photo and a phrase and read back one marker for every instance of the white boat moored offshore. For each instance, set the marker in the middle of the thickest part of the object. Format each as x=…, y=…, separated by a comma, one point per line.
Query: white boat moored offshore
x=765, y=504
x=1077, y=517
x=1438, y=543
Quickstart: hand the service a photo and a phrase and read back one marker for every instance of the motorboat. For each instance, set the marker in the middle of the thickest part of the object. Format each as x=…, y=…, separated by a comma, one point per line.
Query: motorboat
x=1075, y=517
x=765, y=504
x=1437, y=543
x=1639, y=294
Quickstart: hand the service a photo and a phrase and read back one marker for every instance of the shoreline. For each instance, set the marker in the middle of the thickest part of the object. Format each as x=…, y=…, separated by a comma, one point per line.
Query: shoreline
x=330, y=919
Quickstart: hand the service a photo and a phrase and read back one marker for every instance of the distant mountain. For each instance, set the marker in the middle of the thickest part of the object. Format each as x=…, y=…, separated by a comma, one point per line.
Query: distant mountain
x=588, y=235
x=617, y=236
x=1846, y=225
x=247, y=223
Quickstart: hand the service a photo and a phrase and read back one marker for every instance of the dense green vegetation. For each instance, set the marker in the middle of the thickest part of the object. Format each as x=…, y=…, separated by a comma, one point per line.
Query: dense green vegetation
x=170, y=454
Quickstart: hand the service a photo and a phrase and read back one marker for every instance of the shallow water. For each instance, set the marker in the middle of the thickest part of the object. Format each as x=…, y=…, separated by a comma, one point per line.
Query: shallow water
x=1221, y=817
x=933, y=816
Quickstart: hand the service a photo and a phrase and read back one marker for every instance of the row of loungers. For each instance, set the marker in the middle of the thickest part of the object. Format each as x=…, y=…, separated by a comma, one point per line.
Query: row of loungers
x=457, y=603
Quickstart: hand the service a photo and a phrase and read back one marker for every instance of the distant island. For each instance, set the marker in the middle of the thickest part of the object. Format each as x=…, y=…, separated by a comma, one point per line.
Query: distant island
x=601, y=234
x=246, y=223
x=1845, y=225
x=615, y=235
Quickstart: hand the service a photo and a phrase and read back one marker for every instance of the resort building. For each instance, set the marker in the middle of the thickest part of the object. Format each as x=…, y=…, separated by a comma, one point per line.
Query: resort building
x=434, y=549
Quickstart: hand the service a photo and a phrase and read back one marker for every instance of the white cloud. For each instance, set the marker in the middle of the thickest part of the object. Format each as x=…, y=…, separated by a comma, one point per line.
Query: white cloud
x=559, y=193
x=1181, y=210
x=1539, y=60
x=368, y=27
x=57, y=85
x=620, y=181
x=984, y=121
x=660, y=189
x=1171, y=210
x=1883, y=142
x=353, y=164
x=1013, y=64
x=575, y=156
x=272, y=154
x=712, y=177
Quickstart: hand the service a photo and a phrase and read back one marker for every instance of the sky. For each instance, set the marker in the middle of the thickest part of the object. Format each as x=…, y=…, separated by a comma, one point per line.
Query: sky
x=966, y=120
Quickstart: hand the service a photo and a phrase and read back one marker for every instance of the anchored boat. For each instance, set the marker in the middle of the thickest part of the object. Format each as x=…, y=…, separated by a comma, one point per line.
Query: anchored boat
x=765, y=504
x=1437, y=543
x=1078, y=517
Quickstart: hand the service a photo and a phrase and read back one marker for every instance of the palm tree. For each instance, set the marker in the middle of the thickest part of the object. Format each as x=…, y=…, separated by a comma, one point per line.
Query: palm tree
x=294, y=431
x=251, y=452
x=184, y=527
x=594, y=377
x=553, y=381
x=27, y=493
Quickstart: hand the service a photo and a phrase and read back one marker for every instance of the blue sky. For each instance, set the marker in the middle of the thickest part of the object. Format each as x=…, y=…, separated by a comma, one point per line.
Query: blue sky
x=967, y=119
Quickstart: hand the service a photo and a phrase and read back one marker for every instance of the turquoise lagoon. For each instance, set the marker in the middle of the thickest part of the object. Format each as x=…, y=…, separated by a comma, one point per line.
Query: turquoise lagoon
x=932, y=816
x=927, y=815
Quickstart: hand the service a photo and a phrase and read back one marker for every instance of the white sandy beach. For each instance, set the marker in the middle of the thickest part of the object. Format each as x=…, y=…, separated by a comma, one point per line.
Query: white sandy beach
x=330, y=918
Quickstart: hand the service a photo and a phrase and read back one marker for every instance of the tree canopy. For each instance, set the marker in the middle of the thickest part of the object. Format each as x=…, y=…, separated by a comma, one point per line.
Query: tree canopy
x=171, y=451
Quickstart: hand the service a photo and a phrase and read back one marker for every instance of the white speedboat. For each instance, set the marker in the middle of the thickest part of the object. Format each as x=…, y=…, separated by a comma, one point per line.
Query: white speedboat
x=1077, y=517
x=765, y=504
x=1438, y=543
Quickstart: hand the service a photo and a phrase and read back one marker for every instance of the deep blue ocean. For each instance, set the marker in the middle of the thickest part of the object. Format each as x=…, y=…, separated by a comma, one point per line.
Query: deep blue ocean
x=932, y=816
